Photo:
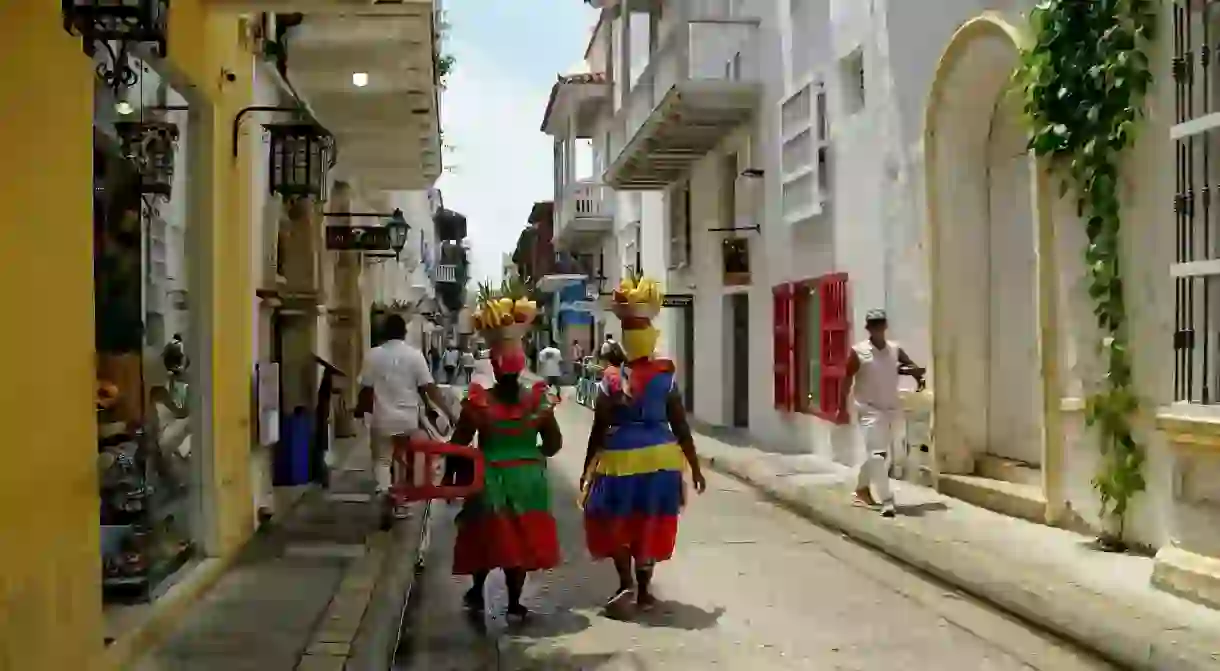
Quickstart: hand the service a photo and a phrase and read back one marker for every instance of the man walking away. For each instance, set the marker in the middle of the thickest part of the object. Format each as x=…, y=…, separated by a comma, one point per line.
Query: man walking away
x=550, y=364
x=467, y=359
x=609, y=347
x=451, y=363
x=873, y=370
x=391, y=382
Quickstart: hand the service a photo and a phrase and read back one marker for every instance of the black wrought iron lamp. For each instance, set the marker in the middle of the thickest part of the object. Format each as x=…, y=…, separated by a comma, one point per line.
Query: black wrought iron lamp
x=122, y=22
x=151, y=146
x=398, y=229
x=300, y=155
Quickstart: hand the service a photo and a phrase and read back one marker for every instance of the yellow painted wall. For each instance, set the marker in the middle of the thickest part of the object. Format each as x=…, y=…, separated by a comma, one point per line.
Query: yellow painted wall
x=203, y=45
x=50, y=596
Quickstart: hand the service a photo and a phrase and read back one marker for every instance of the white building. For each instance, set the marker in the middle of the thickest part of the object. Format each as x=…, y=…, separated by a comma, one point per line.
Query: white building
x=508, y=269
x=795, y=163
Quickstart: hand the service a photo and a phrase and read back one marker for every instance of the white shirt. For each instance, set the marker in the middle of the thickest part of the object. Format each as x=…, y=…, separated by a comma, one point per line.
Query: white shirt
x=548, y=361
x=876, y=384
x=467, y=360
x=395, y=371
x=451, y=357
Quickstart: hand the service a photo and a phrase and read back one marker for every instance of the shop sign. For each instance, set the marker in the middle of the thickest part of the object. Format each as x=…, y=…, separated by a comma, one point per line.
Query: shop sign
x=343, y=238
x=678, y=301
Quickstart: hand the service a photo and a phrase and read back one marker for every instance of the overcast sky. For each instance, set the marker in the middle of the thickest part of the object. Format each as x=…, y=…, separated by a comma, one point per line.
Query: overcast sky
x=507, y=53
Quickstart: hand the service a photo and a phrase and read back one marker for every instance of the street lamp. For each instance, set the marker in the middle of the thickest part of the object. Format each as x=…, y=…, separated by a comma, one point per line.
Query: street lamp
x=298, y=158
x=398, y=228
x=151, y=145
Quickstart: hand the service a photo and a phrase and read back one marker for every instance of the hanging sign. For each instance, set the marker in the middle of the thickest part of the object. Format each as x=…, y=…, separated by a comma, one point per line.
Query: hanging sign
x=678, y=301
x=343, y=238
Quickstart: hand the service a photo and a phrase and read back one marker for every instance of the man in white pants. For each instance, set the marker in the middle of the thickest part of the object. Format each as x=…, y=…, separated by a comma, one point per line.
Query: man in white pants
x=392, y=380
x=873, y=369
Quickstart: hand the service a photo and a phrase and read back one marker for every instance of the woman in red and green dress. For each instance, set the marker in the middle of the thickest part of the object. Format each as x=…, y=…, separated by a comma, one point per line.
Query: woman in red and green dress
x=508, y=525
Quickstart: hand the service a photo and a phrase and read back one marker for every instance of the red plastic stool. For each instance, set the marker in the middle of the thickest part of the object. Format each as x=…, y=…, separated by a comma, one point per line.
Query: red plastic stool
x=419, y=469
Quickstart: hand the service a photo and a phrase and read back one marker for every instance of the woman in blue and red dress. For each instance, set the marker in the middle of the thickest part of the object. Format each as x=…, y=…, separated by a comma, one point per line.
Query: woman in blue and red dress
x=640, y=450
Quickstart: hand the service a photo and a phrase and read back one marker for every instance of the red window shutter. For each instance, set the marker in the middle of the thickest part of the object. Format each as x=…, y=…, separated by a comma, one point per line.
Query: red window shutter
x=805, y=346
x=834, y=333
x=781, y=316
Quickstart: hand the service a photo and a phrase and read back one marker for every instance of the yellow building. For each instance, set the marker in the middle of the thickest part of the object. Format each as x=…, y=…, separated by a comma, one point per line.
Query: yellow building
x=57, y=311
x=51, y=598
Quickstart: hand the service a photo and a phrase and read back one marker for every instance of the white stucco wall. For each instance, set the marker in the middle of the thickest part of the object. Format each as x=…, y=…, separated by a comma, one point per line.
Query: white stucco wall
x=873, y=225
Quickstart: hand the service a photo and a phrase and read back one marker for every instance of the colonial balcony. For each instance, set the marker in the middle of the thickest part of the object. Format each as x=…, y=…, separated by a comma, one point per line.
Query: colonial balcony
x=703, y=81
x=567, y=269
x=586, y=213
x=445, y=272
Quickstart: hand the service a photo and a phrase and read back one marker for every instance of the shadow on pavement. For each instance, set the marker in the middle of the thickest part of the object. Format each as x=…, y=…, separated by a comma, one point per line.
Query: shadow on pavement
x=920, y=509
x=563, y=660
x=675, y=615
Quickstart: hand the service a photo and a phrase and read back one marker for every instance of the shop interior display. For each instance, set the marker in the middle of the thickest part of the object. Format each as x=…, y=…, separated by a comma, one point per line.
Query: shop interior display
x=144, y=438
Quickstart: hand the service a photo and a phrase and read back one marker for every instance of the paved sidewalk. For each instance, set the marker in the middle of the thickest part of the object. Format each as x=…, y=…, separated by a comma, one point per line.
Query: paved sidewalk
x=306, y=594
x=1048, y=576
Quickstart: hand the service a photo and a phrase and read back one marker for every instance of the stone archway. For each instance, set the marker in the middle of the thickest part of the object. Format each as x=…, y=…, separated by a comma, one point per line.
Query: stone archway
x=989, y=253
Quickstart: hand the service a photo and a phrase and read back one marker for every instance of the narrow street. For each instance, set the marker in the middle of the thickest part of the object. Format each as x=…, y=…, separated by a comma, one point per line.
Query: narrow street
x=753, y=586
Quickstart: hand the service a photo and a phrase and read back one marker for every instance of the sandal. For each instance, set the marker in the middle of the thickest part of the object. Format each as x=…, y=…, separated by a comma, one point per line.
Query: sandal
x=517, y=613
x=863, y=498
x=620, y=605
x=472, y=600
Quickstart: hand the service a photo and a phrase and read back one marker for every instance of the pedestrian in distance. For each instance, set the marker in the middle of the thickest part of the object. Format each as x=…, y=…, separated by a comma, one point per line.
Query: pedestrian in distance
x=508, y=525
x=451, y=359
x=874, y=367
x=550, y=365
x=467, y=361
x=640, y=451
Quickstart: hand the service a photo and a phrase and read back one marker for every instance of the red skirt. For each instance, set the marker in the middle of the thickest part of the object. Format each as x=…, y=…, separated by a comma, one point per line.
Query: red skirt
x=528, y=541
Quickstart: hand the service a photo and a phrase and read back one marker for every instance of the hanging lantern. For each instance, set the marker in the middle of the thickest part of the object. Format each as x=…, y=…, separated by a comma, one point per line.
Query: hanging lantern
x=398, y=229
x=300, y=155
x=152, y=147
x=124, y=21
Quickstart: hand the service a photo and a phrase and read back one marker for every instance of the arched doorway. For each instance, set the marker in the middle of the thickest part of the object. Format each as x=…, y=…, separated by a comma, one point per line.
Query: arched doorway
x=1014, y=406
x=990, y=288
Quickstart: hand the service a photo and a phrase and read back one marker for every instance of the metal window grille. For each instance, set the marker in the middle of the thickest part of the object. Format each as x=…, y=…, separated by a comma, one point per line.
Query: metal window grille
x=1196, y=271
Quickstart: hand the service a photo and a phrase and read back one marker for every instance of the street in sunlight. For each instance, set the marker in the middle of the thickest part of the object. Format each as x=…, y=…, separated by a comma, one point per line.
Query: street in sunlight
x=752, y=586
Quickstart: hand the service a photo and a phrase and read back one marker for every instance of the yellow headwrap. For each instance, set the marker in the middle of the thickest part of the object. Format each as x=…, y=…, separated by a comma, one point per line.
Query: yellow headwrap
x=637, y=301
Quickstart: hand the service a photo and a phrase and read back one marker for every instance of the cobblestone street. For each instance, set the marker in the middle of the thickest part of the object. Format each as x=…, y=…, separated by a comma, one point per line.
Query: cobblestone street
x=752, y=587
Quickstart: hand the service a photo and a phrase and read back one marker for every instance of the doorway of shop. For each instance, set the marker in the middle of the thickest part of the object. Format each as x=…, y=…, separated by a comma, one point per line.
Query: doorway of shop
x=688, y=357
x=738, y=309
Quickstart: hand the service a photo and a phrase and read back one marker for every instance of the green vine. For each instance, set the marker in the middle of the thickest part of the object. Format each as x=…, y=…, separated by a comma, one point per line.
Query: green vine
x=1084, y=79
x=444, y=62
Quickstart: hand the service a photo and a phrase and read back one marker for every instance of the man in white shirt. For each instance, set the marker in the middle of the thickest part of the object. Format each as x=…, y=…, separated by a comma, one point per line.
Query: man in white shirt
x=873, y=369
x=467, y=361
x=550, y=361
x=607, y=347
x=450, y=361
x=391, y=381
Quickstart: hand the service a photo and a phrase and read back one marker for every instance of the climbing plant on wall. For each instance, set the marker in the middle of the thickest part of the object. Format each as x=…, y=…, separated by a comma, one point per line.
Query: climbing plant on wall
x=1084, y=77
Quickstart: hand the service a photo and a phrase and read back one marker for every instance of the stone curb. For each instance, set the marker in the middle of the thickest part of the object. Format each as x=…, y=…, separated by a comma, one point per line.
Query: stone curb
x=377, y=637
x=1134, y=637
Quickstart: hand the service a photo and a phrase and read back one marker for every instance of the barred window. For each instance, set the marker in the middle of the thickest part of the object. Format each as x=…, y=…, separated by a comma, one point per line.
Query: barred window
x=1196, y=271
